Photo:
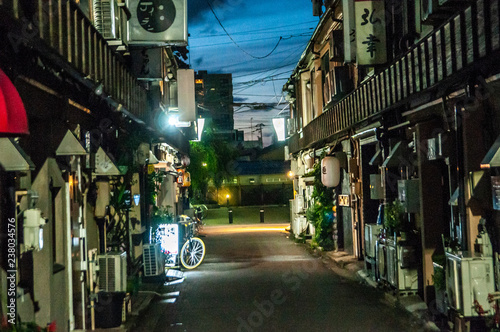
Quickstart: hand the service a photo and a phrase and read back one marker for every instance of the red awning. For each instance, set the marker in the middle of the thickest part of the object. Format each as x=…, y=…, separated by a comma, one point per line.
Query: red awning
x=13, y=119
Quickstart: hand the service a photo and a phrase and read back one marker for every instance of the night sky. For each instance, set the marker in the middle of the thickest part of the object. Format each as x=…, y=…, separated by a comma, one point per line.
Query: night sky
x=265, y=42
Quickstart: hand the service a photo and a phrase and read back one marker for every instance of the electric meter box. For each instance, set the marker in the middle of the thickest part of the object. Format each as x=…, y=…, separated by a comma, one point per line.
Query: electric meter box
x=376, y=188
x=409, y=195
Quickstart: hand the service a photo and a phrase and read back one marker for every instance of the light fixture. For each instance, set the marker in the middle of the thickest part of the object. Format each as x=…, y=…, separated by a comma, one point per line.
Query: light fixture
x=201, y=124
x=98, y=89
x=173, y=119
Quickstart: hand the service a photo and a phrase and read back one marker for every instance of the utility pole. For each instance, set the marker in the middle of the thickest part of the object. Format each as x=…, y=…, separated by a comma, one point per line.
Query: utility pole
x=251, y=129
x=259, y=129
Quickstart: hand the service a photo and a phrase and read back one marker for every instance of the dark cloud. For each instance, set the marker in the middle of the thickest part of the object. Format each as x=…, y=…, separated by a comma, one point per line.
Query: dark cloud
x=199, y=9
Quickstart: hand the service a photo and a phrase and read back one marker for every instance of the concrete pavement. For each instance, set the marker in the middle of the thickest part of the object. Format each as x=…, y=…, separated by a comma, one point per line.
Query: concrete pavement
x=341, y=263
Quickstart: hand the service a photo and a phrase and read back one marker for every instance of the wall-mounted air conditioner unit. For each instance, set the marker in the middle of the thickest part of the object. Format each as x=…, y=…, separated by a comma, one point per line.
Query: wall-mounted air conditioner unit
x=469, y=280
x=113, y=272
x=153, y=259
x=398, y=275
x=157, y=22
x=110, y=19
x=106, y=18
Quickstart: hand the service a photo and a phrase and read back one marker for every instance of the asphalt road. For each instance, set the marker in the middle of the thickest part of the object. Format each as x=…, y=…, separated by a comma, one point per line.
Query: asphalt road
x=254, y=278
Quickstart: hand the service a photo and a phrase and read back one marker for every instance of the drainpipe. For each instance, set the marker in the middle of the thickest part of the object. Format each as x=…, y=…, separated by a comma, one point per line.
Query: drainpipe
x=462, y=218
x=69, y=263
x=82, y=241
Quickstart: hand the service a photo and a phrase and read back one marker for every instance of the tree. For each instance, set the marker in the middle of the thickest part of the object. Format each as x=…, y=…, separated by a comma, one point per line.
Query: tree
x=211, y=160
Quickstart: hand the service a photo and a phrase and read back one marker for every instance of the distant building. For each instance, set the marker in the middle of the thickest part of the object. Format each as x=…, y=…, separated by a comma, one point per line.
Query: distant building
x=260, y=178
x=214, y=99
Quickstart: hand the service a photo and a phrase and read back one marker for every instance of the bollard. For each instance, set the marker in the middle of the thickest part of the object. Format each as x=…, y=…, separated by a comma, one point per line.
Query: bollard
x=230, y=214
x=261, y=215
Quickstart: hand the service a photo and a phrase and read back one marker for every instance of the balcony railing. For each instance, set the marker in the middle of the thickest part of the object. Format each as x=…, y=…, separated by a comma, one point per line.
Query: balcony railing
x=62, y=26
x=447, y=55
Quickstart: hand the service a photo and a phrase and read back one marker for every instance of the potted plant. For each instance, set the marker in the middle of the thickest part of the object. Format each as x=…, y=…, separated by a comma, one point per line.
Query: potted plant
x=439, y=280
x=393, y=217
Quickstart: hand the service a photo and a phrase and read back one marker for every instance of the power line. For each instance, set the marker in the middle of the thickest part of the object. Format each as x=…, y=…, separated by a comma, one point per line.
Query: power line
x=251, y=40
x=227, y=33
x=246, y=32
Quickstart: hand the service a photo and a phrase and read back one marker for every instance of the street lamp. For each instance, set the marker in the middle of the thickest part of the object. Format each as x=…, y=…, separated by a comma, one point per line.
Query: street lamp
x=227, y=200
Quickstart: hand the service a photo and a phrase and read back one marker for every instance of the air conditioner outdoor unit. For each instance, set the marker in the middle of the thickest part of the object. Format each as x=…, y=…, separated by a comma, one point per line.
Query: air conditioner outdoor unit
x=154, y=260
x=106, y=18
x=158, y=23
x=113, y=272
x=469, y=280
x=404, y=279
x=371, y=233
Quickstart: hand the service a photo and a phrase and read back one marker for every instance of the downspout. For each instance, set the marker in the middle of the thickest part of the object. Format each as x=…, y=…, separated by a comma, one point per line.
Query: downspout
x=82, y=240
x=462, y=217
x=69, y=264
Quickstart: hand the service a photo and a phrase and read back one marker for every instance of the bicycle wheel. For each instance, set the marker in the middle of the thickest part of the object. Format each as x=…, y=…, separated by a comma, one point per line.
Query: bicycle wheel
x=192, y=253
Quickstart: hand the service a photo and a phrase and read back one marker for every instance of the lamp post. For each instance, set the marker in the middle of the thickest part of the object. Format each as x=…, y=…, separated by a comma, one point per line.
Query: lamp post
x=229, y=211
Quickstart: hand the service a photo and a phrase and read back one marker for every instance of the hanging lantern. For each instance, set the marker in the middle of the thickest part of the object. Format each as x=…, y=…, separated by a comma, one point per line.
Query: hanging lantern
x=180, y=177
x=187, y=179
x=330, y=172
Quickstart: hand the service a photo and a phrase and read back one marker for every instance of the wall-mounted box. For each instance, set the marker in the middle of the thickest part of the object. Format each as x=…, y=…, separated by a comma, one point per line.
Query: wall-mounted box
x=409, y=195
x=376, y=187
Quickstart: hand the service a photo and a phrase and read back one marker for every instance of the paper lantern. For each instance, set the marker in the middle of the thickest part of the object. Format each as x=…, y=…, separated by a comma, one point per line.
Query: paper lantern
x=187, y=179
x=180, y=177
x=330, y=172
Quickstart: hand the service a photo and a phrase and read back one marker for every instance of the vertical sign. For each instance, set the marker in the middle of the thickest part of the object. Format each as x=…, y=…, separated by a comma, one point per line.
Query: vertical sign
x=371, y=46
x=186, y=103
x=349, y=31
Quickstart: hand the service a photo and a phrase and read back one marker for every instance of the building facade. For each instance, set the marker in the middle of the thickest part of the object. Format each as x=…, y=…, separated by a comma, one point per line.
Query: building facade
x=92, y=90
x=402, y=95
x=214, y=98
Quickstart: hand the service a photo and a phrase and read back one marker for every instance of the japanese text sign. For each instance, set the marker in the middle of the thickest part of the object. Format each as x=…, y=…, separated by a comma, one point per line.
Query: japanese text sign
x=371, y=46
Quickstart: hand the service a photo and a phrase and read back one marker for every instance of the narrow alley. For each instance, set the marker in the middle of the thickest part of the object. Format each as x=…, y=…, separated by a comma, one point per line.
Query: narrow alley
x=254, y=278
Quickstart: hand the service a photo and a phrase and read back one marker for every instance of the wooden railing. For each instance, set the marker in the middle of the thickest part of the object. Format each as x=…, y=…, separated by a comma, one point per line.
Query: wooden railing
x=444, y=55
x=63, y=27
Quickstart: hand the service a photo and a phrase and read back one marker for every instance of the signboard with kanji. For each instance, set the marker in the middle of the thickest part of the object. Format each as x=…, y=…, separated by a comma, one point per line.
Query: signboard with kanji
x=349, y=31
x=371, y=48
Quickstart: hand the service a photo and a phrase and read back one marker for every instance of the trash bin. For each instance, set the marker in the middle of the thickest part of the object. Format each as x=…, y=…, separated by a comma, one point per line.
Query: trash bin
x=108, y=309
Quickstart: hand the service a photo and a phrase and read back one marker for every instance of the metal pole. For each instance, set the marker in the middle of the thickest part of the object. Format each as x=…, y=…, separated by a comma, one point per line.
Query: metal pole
x=261, y=215
x=230, y=215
